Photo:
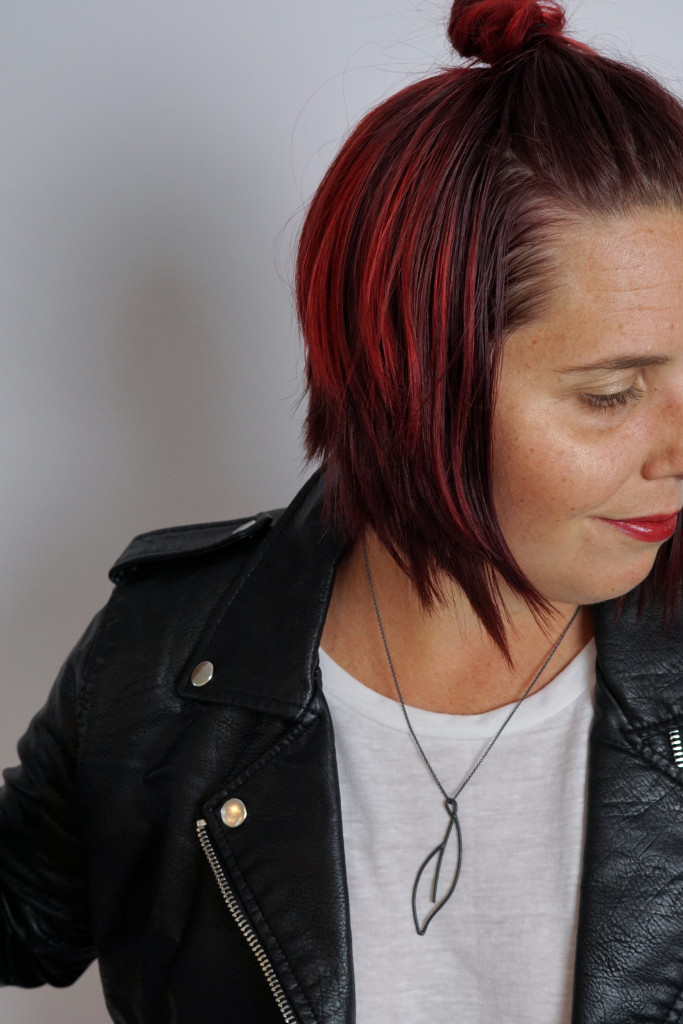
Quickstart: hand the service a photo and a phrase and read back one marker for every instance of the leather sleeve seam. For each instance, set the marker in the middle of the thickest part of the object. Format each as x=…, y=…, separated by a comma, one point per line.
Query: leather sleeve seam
x=82, y=678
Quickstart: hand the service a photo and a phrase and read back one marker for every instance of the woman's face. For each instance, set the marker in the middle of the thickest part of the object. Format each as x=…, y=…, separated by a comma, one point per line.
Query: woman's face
x=588, y=426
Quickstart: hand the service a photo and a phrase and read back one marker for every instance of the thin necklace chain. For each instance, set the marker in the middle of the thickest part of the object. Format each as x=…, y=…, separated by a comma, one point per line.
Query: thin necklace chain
x=491, y=742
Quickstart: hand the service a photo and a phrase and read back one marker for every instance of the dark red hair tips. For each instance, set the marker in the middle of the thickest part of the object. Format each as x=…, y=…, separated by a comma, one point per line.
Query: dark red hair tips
x=428, y=240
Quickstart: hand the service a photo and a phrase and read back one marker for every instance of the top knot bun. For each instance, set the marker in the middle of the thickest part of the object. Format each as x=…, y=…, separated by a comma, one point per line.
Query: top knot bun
x=493, y=29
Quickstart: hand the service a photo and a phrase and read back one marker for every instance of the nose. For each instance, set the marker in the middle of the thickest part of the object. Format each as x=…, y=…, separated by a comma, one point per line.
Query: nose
x=665, y=455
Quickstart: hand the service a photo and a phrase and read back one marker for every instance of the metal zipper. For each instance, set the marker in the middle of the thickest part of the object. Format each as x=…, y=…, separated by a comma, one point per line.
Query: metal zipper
x=676, y=746
x=244, y=926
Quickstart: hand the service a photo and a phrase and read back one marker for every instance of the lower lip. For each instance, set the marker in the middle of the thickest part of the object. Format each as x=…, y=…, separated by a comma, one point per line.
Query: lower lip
x=649, y=530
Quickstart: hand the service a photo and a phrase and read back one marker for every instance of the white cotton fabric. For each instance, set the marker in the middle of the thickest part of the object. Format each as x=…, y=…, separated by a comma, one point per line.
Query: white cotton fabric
x=502, y=949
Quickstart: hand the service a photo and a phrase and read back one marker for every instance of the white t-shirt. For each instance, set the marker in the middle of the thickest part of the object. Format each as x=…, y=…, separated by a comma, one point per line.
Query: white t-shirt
x=502, y=948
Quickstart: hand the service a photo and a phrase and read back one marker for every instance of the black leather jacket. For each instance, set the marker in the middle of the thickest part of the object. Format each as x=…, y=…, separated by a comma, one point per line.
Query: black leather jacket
x=112, y=842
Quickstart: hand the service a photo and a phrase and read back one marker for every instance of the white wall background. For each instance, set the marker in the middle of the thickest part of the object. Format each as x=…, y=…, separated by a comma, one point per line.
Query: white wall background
x=154, y=158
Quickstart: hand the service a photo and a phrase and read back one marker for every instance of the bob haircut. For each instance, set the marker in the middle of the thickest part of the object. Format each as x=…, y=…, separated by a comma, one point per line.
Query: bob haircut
x=428, y=241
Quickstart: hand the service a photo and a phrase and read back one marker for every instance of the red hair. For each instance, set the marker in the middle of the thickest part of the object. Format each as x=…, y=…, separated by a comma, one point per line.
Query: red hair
x=428, y=240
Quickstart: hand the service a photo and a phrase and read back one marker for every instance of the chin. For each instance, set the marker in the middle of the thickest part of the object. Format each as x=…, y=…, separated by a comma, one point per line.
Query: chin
x=602, y=580
x=609, y=586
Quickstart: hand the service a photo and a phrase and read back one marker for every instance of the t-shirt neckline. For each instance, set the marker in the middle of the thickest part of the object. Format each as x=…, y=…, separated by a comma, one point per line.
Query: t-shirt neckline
x=567, y=686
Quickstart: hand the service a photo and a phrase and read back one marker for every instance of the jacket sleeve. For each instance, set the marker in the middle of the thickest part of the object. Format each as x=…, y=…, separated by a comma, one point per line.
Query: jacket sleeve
x=45, y=933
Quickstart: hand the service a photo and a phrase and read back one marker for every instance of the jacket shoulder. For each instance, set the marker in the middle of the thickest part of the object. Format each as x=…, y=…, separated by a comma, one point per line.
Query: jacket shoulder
x=196, y=540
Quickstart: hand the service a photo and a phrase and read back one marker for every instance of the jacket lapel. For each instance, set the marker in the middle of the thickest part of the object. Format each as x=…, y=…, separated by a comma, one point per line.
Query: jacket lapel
x=286, y=866
x=285, y=863
x=629, y=958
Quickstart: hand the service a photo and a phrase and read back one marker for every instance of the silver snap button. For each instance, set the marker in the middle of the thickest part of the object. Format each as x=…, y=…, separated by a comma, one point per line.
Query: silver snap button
x=202, y=673
x=233, y=813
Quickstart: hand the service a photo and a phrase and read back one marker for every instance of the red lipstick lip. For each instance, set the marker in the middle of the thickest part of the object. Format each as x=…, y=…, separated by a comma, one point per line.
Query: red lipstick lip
x=653, y=529
x=659, y=517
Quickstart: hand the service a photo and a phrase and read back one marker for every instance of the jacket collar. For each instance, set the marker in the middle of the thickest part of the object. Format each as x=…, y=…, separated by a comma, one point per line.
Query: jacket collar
x=263, y=640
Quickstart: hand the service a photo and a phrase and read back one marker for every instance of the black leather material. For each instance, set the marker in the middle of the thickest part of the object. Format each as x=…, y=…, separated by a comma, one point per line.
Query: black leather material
x=99, y=853
x=629, y=962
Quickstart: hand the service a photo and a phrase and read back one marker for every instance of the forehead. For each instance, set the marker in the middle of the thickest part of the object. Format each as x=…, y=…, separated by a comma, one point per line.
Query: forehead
x=617, y=289
x=625, y=255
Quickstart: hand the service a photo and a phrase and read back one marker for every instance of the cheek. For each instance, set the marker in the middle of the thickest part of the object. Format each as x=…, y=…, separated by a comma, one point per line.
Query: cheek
x=546, y=480
x=548, y=492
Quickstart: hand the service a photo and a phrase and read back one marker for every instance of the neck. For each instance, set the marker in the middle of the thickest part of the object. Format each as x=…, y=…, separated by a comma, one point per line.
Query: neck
x=444, y=660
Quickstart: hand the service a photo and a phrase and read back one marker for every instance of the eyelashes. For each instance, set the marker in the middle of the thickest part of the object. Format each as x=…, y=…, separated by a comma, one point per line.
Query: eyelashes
x=618, y=399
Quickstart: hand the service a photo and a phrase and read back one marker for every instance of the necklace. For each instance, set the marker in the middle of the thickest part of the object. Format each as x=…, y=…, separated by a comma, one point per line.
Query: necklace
x=450, y=802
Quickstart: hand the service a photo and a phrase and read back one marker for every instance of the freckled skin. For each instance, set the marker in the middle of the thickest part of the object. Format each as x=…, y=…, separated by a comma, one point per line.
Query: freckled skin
x=560, y=465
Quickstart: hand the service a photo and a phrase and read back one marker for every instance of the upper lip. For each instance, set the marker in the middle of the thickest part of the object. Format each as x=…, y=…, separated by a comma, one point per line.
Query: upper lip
x=655, y=517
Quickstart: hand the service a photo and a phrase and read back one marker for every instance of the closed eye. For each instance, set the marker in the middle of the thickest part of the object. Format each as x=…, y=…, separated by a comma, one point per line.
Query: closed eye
x=614, y=400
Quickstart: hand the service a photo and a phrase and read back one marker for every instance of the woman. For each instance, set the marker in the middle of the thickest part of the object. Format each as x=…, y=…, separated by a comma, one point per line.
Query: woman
x=338, y=756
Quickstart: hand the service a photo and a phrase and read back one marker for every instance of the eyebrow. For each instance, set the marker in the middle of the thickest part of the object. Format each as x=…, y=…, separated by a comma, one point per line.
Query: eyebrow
x=625, y=362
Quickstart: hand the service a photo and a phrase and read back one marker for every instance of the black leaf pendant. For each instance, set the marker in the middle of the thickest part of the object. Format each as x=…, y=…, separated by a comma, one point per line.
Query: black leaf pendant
x=438, y=855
